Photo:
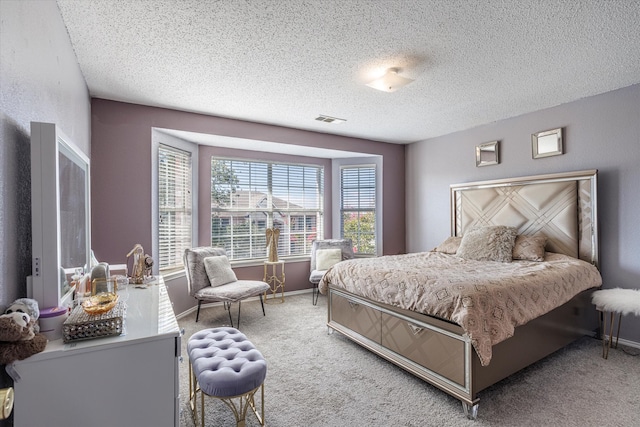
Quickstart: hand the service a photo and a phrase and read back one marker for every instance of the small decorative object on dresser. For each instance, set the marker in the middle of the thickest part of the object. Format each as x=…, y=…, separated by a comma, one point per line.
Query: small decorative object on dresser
x=142, y=264
x=18, y=341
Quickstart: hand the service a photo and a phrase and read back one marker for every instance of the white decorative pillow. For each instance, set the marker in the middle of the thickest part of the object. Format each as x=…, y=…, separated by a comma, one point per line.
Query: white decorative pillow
x=219, y=270
x=491, y=243
x=529, y=248
x=449, y=246
x=326, y=258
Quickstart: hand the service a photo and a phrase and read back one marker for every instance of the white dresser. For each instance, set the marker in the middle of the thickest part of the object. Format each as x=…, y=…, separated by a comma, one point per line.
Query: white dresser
x=129, y=380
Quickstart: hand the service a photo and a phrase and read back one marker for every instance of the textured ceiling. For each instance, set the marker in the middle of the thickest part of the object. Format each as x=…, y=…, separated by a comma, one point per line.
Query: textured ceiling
x=285, y=62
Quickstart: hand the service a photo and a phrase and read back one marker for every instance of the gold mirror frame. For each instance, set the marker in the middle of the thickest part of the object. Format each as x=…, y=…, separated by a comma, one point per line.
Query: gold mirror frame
x=487, y=154
x=546, y=143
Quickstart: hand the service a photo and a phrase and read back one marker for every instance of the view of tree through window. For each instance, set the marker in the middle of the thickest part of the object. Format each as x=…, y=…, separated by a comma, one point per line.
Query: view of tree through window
x=358, y=207
x=249, y=196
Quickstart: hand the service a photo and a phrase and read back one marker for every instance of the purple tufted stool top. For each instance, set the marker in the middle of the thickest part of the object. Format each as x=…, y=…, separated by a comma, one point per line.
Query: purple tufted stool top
x=226, y=365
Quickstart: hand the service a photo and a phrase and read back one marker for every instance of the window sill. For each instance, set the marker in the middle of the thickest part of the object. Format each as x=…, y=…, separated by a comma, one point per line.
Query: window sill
x=237, y=264
x=173, y=275
x=260, y=262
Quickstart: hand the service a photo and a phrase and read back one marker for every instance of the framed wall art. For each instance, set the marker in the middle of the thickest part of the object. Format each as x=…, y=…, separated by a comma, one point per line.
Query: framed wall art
x=487, y=154
x=547, y=143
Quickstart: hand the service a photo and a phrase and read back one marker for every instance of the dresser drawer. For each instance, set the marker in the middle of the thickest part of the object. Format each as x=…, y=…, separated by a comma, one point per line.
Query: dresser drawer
x=433, y=350
x=358, y=317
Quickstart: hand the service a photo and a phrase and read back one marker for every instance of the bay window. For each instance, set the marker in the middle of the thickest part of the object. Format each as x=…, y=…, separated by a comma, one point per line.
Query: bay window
x=247, y=197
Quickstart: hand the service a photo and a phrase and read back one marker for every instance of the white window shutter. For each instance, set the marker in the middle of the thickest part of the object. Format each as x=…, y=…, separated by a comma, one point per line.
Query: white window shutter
x=249, y=196
x=174, y=206
x=358, y=207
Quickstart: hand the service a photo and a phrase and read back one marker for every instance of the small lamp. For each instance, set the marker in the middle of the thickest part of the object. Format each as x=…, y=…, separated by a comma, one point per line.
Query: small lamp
x=390, y=82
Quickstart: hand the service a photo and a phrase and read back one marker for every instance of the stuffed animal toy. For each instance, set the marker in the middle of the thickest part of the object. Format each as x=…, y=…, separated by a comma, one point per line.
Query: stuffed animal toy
x=17, y=338
x=28, y=306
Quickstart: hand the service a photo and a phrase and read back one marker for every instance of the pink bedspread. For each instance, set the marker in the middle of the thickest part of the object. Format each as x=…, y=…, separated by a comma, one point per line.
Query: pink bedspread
x=487, y=299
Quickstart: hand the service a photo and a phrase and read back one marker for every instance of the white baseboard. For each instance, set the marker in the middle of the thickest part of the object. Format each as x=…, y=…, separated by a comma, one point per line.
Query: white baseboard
x=627, y=343
x=218, y=304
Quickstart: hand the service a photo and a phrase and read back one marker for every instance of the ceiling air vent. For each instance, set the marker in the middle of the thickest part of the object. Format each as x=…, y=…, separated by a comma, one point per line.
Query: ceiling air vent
x=329, y=119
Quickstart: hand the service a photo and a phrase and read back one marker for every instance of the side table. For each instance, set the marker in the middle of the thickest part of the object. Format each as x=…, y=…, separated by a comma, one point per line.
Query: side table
x=621, y=301
x=275, y=280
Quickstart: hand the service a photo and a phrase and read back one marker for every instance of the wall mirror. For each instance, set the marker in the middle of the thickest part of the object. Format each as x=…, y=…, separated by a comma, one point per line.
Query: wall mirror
x=487, y=154
x=547, y=143
x=60, y=214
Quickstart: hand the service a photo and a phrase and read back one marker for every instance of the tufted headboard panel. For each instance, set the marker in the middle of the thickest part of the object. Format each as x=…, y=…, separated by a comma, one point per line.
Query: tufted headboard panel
x=561, y=206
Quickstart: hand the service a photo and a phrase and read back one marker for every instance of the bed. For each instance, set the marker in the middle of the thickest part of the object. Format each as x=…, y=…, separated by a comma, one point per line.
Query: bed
x=463, y=323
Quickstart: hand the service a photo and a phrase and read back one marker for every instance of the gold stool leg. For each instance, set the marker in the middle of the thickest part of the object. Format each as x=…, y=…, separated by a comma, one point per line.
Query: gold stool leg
x=240, y=410
x=618, y=334
x=192, y=393
x=600, y=329
x=602, y=324
x=252, y=402
x=201, y=408
x=611, y=319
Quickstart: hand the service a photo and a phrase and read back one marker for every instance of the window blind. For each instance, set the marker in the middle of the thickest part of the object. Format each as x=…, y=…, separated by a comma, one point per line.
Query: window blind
x=247, y=197
x=358, y=207
x=174, y=205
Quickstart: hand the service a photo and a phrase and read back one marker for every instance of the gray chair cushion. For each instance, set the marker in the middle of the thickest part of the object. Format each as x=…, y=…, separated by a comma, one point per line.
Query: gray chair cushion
x=316, y=276
x=232, y=292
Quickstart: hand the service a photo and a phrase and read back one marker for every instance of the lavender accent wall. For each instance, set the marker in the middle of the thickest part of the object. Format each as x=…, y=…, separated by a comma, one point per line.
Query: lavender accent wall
x=121, y=180
x=600, y=132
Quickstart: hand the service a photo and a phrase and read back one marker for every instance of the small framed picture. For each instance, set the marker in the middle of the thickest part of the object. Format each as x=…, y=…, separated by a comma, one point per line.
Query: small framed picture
x=546, y=143
x=487, y=154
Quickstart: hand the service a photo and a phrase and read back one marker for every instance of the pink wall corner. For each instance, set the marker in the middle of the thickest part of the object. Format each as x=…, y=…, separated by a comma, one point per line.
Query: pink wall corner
x=121, y=179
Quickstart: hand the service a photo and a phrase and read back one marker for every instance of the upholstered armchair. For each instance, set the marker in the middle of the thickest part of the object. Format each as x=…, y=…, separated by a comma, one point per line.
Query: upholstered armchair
x=211, y=279
x=324, y=254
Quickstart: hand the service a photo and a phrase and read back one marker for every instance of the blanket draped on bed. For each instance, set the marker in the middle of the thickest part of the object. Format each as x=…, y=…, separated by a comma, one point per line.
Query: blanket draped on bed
x=487, y=299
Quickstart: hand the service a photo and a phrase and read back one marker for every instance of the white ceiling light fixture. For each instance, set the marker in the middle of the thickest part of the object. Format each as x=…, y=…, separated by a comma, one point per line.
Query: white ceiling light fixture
x=390, y=82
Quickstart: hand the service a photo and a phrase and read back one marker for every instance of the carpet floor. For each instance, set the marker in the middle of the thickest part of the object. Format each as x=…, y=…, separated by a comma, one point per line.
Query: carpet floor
x=317, y=379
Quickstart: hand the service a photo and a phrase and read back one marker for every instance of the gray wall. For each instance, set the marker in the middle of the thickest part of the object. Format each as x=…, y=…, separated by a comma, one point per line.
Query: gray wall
x=600, y=132
x=40, y=81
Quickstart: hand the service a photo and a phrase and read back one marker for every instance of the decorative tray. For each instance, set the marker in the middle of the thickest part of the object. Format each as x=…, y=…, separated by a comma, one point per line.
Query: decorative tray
x=83, y=326
x=101, y=303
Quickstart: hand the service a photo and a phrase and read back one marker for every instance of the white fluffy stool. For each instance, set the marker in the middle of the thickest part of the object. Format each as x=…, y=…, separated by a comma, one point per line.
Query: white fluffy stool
x=617, y=300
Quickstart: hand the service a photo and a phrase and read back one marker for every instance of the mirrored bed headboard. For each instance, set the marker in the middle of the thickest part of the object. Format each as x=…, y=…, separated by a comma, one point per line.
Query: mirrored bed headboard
x=561, y=206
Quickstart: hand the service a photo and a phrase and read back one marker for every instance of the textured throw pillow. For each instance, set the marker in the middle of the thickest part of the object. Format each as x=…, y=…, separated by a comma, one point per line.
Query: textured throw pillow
x=326, y=258
x=529, y=248
x=492, y=243
x=219, y=270
x=449, y=246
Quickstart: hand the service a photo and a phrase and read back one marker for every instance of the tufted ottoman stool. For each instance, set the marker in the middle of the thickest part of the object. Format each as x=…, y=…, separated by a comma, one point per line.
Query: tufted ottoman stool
x=224, y=364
